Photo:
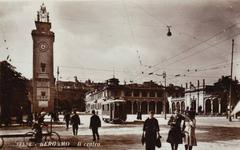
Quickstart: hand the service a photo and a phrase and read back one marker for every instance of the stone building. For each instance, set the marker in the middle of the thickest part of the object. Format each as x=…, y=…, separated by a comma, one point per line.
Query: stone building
x=207, y=99
x=145, y=97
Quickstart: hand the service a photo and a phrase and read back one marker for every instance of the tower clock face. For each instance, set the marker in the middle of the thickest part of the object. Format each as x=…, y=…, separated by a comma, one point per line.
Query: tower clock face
x=43, y=46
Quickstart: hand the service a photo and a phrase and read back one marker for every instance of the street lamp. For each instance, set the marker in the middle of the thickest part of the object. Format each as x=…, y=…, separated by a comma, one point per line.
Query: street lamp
x=164, y=75
x=169, y=33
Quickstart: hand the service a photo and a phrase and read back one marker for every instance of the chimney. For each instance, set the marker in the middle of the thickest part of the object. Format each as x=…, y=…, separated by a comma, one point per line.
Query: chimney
x=186, y=85
x=198, y=83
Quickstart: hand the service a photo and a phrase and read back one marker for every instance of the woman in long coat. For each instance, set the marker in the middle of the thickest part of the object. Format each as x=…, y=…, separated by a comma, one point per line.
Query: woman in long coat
x=151, y=128
x=190, y=126
x=175, y=133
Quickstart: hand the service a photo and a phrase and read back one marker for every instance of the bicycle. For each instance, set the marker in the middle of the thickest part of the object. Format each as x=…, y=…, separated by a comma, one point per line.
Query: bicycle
x=49, y=136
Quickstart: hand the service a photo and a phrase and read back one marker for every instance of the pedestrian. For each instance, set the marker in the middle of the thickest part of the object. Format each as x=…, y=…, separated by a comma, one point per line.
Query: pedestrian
x=41, y=117
x=36, y=116
x=75, y=121
x=139, y=115
x=95, y=123
x=175, y=133
x=38, y=133
x=67, y=119
x=20, y=116
x=150, y=131
x=190, y=126
x=30, y=119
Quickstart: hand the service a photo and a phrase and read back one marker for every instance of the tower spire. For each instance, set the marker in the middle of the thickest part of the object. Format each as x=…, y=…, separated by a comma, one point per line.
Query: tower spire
x=42, y=14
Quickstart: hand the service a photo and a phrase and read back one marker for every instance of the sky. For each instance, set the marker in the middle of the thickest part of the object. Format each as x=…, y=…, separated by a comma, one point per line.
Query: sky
x=99, y=39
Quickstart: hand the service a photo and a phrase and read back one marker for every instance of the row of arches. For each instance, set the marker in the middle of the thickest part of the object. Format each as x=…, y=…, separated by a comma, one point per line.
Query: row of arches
x=215, y=106
x=210, y=106
x=132, y=107
x=178, y=105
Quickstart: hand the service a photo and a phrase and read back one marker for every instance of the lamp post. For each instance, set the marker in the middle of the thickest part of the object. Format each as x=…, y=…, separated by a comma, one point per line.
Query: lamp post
x=164, y=75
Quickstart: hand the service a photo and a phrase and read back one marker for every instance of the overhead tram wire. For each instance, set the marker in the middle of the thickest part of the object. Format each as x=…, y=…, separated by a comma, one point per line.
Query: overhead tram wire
x=92, y=69
x=134, y=45
x=202, y=50
x=215, y=66
x=222, y=62
x=205, y=41
x=179, y=32
x=186, y=75
x=196, y=45
x=199, y=51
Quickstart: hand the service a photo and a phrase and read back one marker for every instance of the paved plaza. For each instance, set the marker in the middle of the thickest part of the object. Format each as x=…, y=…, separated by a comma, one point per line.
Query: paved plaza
x=213, y=133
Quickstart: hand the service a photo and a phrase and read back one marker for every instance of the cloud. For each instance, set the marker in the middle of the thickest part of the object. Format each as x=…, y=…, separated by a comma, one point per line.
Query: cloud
x=106, y=35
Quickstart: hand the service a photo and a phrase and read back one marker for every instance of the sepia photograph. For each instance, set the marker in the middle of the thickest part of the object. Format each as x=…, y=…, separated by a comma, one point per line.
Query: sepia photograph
x=120, y=74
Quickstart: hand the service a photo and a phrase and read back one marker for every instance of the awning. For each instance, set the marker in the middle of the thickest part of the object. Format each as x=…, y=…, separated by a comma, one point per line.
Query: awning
x=236, y=109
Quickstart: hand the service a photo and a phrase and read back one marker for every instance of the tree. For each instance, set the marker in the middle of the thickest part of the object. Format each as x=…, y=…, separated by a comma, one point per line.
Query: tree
x=223, y=87
x=13, y=93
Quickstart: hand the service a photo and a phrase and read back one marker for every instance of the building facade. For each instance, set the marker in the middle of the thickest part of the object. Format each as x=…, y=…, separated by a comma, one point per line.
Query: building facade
x=207, y=99
x=145, y=97
x=43, y=78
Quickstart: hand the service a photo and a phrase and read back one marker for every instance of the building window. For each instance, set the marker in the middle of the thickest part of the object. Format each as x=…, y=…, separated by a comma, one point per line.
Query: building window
x=152, y=94
x=136, y=93
x=43, y=67
x=144, y=93
x=43, y=93
x=160, y=94
x=128, y=93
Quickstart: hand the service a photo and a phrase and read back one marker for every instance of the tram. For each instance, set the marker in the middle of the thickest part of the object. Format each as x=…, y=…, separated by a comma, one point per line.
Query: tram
x=113, y=111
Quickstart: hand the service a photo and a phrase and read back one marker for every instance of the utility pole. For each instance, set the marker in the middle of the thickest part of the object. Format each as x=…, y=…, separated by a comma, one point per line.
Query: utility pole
x=165, y=94
x=164, y=75
x=57, y=103
x=230, y=89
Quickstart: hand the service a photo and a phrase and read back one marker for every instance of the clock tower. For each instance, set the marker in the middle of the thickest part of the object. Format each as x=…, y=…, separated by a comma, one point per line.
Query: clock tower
x=43, y=78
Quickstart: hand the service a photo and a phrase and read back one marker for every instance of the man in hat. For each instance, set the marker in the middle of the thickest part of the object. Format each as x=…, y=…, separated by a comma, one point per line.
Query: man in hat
x=75, y=121
x=95, y=123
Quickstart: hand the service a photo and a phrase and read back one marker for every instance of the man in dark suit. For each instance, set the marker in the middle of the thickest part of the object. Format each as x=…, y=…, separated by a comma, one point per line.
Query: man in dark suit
x=75, y=121
x=95, y=123
x=67, y=118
